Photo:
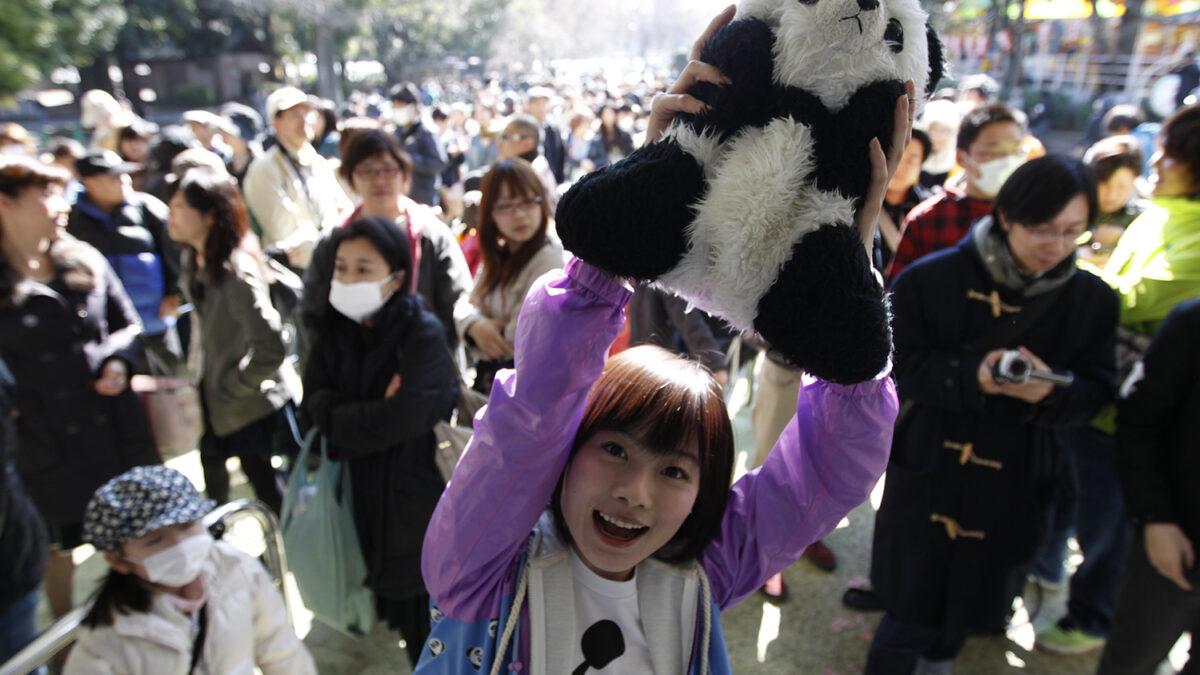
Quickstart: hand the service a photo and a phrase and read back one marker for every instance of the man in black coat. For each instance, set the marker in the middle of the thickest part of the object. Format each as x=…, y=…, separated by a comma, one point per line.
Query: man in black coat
x=553, y=147
x=1158, y=461
x=420, y=142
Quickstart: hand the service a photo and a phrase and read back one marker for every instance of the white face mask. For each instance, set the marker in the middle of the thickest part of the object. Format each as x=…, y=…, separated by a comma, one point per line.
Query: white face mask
x=993, y=174
x=359, y=301
x=180, y=564
x=404, y=115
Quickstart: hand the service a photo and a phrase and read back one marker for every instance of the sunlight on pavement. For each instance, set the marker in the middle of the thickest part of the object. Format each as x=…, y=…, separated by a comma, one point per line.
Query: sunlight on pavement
x=877, y=493
x=1020, y=628
x=768, y=630
x=1179, y=653
x=302, y=619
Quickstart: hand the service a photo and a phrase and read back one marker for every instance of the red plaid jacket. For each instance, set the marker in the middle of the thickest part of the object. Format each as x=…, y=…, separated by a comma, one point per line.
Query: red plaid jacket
x=936, y=223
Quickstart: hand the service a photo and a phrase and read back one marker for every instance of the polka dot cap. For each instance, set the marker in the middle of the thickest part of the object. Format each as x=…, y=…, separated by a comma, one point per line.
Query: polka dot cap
x=141, y=500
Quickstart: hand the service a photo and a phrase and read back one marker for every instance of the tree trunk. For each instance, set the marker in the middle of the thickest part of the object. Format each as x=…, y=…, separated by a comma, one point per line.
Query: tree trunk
x=1131, y=25
x=1099, y=39
x=328, y=85
x=1015, y=75
x=95, y=76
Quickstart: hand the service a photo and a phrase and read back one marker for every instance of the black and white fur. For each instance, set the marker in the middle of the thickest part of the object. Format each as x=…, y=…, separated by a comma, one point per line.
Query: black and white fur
x=747, y=210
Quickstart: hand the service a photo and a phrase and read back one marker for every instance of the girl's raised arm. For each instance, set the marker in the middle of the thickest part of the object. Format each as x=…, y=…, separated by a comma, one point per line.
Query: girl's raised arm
x=522, y=439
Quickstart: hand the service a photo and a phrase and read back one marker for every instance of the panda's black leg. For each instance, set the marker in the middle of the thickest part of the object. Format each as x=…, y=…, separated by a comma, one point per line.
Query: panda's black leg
x=826, y=312
x=629, y=218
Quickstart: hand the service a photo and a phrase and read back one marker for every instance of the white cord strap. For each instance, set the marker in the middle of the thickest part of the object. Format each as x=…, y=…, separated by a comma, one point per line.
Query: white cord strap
x=514, y=617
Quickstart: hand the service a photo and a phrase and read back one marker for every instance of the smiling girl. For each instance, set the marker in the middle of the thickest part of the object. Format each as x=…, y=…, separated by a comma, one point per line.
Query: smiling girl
x=590, y=527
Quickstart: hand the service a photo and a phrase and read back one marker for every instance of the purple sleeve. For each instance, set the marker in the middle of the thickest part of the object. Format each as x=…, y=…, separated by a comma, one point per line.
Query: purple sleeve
x=824, y=464
x=522, y=438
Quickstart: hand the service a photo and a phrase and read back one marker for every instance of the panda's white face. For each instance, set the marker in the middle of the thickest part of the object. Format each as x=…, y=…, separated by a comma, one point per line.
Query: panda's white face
x=832, y=48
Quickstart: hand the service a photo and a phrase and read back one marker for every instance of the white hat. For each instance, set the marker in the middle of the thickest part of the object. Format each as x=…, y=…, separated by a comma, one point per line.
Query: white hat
x=284, y=98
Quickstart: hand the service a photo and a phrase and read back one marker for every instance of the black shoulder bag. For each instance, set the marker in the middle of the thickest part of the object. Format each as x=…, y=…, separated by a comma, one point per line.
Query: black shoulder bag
x=198, y=645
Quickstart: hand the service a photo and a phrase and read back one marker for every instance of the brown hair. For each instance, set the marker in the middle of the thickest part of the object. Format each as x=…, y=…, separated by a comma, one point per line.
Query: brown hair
x=668, y=402
x=1112, y=153
x=13, y=133
x=210, y=192
x=1180, y=138
x=371, y=143
x=500, y=264
x=352, y=128
x=17, y=174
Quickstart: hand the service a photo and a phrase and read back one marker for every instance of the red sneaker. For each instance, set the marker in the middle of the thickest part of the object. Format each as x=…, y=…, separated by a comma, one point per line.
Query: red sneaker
x=775, y=589
x=820, y=555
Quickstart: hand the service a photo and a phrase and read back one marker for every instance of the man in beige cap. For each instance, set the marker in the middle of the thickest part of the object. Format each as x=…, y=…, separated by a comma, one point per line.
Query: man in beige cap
x=291, y=191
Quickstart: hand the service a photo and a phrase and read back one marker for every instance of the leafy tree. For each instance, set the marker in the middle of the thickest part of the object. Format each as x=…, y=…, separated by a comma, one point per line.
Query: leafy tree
x=400, y=35
x=37, y=36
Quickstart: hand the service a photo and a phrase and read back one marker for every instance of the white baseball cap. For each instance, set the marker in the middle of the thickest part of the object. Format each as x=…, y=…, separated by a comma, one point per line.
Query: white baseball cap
x=284, y=98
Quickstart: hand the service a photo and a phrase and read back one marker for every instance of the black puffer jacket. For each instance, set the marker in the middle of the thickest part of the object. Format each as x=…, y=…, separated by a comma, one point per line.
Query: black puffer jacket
x=55, y=337
x=389, y=442
x=1158, y=454
x=22, y=535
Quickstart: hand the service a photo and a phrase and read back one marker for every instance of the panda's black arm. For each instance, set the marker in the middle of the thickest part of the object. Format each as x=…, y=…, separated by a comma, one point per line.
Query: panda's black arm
x=842, y=138
x=742, y=51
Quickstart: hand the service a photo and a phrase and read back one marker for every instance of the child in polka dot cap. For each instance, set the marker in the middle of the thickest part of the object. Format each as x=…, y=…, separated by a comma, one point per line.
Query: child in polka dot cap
x=175, y=601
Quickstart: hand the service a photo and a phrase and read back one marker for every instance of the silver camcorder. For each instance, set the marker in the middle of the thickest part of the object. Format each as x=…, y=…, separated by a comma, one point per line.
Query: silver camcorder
x=1014, y=368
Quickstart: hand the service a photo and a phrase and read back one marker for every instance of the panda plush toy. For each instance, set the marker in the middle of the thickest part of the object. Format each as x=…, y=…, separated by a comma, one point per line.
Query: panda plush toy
x=746, y=210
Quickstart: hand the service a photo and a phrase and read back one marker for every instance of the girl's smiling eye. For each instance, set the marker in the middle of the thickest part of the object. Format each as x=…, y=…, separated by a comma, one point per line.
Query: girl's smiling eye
x=614, y=449
x=675, y=472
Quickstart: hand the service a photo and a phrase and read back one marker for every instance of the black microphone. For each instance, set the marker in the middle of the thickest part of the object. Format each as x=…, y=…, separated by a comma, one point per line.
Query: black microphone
x=602, y=643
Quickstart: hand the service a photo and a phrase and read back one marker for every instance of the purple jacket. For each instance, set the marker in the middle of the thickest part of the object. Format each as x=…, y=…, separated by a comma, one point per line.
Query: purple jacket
x=825, y=463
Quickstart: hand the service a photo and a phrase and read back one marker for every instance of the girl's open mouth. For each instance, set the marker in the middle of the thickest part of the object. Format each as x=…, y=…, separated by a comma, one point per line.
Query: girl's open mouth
x=616, y=529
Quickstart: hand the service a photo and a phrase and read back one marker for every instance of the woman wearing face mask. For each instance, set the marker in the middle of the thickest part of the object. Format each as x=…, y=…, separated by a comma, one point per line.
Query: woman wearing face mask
x=429, y=158
x=379, y=172
x=516, y=249
x=175, y=602
x=246, y=385
x=975, y=459
x=378, y=378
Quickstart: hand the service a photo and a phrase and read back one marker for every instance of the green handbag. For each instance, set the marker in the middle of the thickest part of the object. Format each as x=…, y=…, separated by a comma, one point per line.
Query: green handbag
x=322, y=544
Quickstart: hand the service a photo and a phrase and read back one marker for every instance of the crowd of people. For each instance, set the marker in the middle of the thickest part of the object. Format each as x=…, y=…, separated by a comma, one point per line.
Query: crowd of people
x=348, y=270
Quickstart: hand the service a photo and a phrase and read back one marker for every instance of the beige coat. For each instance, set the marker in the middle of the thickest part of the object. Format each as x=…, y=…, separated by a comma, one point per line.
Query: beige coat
x=241, y=353
x=505, y=303
x=293, y=208
x=247, y=627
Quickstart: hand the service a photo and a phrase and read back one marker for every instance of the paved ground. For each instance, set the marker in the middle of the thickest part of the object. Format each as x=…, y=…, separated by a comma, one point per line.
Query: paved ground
x=812, y=634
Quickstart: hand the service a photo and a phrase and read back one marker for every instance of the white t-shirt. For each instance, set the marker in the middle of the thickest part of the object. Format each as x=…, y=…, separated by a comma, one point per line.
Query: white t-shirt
x=609, y=638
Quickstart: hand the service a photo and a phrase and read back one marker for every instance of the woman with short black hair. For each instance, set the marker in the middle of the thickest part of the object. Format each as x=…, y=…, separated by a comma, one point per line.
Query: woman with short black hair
x=976, y=458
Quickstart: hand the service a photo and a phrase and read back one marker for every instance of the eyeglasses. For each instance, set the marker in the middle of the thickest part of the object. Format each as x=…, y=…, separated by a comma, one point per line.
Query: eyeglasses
x=511, y=207
x=1046, y=235
x=363, y=173
x=511, y=137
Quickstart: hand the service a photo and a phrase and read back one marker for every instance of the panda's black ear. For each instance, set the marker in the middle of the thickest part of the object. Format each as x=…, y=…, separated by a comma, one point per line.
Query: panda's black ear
x=937, y=60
